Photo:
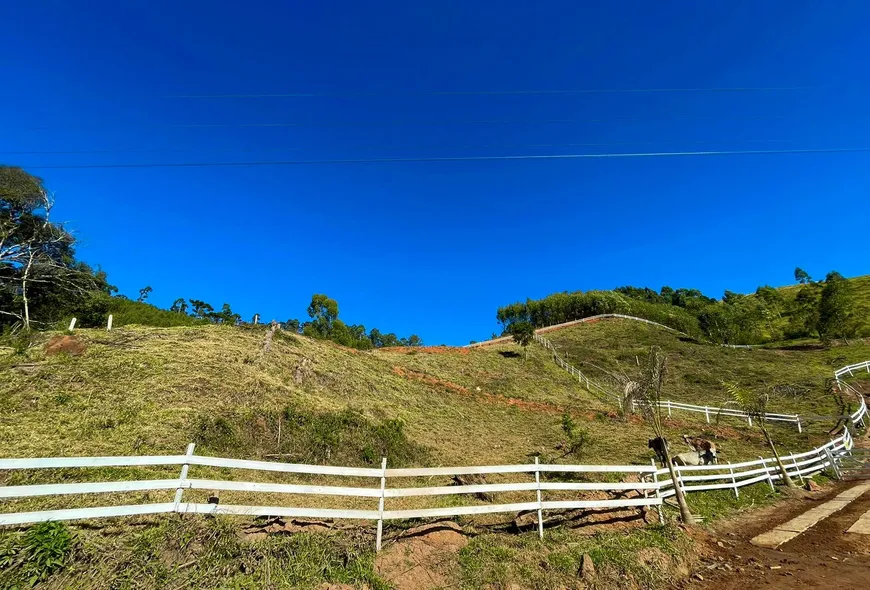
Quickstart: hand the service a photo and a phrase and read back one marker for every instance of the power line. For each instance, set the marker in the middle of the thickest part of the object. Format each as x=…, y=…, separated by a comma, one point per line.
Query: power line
x=488, y=92
x=384, y=145
x=422, y=122
x=455, y=158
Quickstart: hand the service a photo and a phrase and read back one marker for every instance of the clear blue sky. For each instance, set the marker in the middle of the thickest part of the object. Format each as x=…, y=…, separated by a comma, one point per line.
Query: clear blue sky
x=435, y=247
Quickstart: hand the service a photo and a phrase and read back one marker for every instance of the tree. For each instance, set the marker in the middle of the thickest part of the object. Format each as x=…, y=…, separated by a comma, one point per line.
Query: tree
x=523, y=333
x=754, y=403
x=836, y=309
x=414, y=340
x=801, y=276
x=323, y=311
x=292, y=325
x=200, y=309
x=804, y=320
x=179, y=306
x=225, y=316
x=37, y=261
x=143, y=293
x=648, y=392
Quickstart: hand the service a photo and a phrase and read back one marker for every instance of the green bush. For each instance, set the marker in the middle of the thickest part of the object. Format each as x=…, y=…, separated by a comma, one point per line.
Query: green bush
x=29, y=558
x=125, y=312
x=344, y=437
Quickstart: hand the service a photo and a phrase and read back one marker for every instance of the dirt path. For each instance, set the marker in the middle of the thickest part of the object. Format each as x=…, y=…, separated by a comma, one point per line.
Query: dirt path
x=825, y=556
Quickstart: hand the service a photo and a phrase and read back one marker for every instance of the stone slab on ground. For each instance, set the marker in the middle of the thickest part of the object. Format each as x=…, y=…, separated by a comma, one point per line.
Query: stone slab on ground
x=862, y=525
x=791, y=529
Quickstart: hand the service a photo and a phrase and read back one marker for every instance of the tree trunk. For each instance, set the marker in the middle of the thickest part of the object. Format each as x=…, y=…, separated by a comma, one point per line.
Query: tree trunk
x=786, y=478
x=685, y=513
x=24, y=279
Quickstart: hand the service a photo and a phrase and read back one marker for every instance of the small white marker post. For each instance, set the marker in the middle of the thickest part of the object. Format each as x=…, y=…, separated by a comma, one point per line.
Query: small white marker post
x=184, y=468
x=109, y=324
x=381, y=504
x=72, y=324
x=540, y=501
x=707, y=414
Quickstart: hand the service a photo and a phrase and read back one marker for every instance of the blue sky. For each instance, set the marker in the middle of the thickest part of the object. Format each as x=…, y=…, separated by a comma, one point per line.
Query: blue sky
x=435, y=247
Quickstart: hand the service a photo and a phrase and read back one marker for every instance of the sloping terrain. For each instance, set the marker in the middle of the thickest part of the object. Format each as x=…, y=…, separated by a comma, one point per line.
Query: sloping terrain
x=139, y=390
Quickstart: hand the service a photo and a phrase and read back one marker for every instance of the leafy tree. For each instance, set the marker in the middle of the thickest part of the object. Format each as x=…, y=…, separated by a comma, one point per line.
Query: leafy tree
x=648, y=393
x=414, y=340
x=42, y=279
x=292, y=325
x=755, y=404
x=143, y=294
x=225, y=316
x=836, y=309
x=323, y=312
x=179, y=306
x=801, y=276
x=200, y=309
x=523, y=333
x=804, y=318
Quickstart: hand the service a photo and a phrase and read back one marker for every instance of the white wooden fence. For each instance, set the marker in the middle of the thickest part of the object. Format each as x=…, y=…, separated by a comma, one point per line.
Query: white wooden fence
x=651, y=487
x=615, y=397
x=590, y=385
x=382, y=492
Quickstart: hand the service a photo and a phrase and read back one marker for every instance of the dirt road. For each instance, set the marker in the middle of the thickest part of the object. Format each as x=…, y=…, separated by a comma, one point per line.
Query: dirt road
x=825, y=556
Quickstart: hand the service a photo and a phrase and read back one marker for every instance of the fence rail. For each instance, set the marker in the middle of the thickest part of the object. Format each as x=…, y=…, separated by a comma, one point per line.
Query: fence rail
x=650, y=488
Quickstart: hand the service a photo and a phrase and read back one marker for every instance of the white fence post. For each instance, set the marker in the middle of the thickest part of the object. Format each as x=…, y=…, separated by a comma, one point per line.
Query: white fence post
x=72, y=324
x=707, y=414
x=733, y=480
x=660, y=507
x=767, y=471
x=800, y=430
x=109, y=324
x=798, y=469
x=748, y=417
x=669, y=408
x=540, y=500
x=184, y=468
x=833, y=463
x=381, y=504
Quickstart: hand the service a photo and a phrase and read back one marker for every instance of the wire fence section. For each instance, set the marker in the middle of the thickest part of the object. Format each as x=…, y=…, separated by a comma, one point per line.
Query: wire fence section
x=646, y=482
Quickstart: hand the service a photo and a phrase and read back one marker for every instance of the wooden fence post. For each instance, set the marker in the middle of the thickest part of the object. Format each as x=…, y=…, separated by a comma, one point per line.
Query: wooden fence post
x=109, y=324
x=184, y=468
x=661, y=507
x=733, y=480
x=800, y=430
x=540, y=500
x=381, y=503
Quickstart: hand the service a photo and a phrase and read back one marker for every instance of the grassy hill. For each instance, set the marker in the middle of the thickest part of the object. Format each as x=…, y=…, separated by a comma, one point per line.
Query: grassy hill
x=139, y=390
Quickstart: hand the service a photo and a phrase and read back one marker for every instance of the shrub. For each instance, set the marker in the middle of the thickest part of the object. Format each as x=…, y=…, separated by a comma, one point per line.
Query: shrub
x=32, y=557
x=577, y=437
x=344, y=437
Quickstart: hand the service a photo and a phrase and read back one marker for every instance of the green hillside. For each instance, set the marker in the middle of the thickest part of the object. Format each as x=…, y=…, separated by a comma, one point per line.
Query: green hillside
x=147, y=390
x=830, y=309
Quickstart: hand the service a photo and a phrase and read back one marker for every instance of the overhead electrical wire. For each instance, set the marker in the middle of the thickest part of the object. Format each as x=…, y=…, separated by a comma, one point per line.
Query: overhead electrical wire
x=486, y=92
x=387, y=146
x=455, y=158
x=409, y=122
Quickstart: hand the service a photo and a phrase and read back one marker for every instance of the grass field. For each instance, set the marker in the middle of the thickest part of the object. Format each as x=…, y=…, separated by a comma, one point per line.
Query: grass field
x=140, y=390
